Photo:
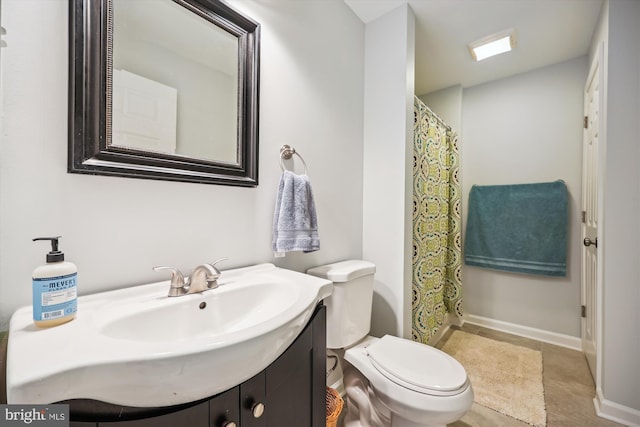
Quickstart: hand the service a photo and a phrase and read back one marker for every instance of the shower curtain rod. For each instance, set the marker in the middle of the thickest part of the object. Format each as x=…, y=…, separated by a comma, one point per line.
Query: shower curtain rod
x=438, y=118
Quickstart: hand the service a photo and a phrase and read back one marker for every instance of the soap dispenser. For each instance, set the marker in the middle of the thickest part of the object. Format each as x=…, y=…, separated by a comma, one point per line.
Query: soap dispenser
x=54, y=288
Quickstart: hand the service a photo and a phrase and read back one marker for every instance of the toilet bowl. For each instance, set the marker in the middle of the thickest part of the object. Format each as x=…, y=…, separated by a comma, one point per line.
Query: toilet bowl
x=388, y=381
x=413, y=384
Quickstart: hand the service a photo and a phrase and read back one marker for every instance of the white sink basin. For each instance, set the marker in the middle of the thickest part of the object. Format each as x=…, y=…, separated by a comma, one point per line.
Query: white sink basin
x=138, y=347
x=228, y=309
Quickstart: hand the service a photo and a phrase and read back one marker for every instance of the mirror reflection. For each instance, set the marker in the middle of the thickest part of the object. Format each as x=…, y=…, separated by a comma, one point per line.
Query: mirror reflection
x=164, y=89
x=175, y=82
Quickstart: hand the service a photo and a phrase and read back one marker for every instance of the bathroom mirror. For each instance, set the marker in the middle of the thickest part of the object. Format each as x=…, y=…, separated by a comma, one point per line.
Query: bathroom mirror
x=163, y=89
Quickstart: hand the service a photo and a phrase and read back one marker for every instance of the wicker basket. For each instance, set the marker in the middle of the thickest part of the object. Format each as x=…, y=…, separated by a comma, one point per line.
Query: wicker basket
x=334, y=406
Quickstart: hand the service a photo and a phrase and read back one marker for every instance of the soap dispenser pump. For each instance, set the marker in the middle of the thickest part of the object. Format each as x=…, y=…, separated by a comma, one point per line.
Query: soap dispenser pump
x=54, y=288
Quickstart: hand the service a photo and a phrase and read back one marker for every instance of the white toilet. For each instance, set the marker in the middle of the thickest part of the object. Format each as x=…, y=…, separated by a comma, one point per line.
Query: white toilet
x=389, y=381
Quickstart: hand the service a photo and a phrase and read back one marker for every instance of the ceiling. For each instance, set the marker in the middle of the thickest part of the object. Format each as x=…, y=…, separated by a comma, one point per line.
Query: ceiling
x=547, y=32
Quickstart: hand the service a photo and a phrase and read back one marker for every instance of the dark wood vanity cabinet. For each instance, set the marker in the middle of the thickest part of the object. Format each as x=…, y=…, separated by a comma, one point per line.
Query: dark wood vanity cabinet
x=288, y=393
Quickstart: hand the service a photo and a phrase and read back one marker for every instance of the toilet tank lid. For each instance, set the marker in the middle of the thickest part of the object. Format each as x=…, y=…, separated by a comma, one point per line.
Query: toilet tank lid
x=343, y=271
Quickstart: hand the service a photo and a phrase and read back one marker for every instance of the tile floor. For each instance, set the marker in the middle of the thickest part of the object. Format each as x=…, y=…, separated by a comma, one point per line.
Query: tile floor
x=568, y=387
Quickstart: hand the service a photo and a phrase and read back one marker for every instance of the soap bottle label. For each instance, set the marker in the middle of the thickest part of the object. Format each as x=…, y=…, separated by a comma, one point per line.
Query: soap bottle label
x=55, y=297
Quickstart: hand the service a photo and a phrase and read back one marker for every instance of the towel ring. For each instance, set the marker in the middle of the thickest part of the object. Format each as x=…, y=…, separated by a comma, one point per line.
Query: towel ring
x=286, y=152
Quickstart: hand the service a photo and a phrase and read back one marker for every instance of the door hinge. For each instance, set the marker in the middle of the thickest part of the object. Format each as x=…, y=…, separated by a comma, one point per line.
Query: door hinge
x=584, y=216
x=583, y=311
x=586, y=122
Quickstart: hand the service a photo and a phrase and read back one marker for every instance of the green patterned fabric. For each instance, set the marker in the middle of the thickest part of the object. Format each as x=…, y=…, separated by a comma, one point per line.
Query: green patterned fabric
x=437, y=285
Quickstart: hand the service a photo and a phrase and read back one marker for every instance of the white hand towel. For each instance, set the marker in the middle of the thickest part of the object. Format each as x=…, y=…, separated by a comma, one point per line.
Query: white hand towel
x=295, y=224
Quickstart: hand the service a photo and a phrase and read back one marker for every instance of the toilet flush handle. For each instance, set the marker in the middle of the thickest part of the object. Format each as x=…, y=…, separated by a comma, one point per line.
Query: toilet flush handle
x=334, y=360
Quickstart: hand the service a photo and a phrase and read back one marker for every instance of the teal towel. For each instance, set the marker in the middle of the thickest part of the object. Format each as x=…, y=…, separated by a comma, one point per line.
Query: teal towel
x=520, y=228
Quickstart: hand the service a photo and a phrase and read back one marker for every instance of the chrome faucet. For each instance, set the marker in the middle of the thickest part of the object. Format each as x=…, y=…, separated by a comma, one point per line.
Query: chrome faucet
x=202, y=278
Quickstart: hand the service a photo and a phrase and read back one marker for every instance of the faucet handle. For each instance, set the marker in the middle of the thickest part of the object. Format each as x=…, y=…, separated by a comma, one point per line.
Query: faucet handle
x=177, y=278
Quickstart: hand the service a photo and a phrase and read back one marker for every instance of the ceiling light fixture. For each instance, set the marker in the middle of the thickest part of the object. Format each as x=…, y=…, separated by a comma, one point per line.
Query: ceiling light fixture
x=492, y=45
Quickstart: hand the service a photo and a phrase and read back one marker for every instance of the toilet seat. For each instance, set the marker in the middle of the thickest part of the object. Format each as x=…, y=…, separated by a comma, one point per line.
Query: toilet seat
x=413, y=398
x=417, y=366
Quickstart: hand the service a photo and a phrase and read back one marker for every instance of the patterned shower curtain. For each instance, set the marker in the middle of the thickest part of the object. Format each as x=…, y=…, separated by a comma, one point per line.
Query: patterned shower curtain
x=437, y=285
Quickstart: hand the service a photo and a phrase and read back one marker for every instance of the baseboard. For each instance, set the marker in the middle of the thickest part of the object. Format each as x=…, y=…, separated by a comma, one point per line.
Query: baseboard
x=562, y=340
x=451, y=319
x=615, y=412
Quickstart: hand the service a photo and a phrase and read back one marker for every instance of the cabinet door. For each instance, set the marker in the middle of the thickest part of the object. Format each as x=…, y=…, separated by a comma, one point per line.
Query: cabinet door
x=294, y=379
x=253, y=404
x=319, y=368
x=195, y=416
x=224, y=408
x=288, y=385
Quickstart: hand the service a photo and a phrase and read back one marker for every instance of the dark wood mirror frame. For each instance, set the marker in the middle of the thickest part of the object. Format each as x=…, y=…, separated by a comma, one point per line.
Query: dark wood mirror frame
x=90, y=98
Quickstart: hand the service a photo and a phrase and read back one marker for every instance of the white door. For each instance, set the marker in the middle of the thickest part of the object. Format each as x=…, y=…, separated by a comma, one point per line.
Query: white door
x=592, y=93
x=144, y=113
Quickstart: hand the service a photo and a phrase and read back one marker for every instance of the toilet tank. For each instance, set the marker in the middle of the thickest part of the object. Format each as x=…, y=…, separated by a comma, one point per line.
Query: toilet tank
x=349, y=306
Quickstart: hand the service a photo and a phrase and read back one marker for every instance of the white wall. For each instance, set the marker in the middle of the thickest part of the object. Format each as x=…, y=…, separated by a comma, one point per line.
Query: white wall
x=620, y=247
x=388, y=175
x=447, y=104
x=525, y=129
x=117, y=229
